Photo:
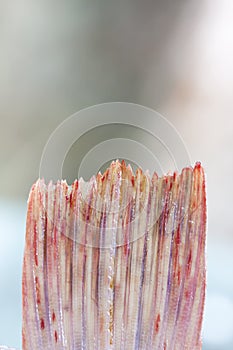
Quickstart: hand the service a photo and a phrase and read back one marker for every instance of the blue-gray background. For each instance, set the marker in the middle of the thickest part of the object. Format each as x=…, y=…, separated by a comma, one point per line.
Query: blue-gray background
x=173, y=56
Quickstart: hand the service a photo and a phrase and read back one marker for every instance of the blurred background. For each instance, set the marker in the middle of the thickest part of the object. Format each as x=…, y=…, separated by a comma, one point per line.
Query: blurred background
x=173, y=56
